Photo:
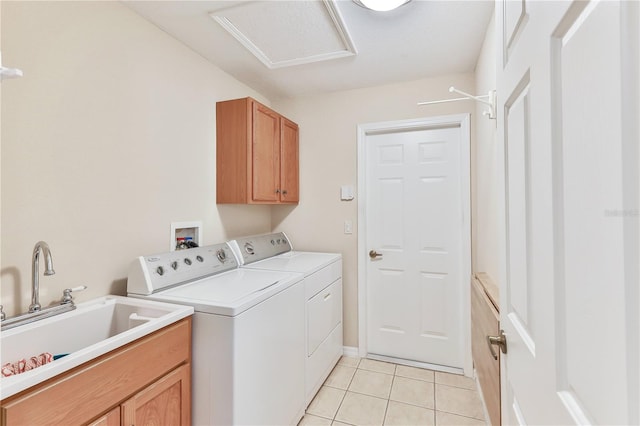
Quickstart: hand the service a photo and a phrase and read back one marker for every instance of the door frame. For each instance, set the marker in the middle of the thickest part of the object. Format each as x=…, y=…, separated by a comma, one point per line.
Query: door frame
x=367, y=129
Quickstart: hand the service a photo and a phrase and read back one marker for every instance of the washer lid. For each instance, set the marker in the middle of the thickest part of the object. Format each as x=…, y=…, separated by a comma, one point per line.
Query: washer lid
x=230, y=293
x=296, y=261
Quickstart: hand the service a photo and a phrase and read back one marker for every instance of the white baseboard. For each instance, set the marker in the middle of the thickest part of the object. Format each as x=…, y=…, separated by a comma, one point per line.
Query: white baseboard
x=351, y=351
x=426, y=365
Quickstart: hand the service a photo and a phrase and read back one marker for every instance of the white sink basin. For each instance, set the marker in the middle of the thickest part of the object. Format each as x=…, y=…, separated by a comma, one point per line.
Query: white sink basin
x=92, y=329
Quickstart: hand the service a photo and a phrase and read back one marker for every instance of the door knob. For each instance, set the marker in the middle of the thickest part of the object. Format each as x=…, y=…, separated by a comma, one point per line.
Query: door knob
x=373, y=254
x=500, y=341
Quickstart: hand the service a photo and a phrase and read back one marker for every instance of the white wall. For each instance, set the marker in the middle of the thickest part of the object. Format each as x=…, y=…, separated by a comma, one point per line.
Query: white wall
x=107, y=139
x=485, y=166
x=328, y=160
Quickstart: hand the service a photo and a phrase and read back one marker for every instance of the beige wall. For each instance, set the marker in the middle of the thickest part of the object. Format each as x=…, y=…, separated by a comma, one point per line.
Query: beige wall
x=328, y=160
x=107, y=139
x=110, y=137
x=485, y=167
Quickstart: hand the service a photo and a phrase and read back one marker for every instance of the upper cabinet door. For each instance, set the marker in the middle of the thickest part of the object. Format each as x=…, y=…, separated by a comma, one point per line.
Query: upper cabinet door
x=289, y=171
x=265, y=150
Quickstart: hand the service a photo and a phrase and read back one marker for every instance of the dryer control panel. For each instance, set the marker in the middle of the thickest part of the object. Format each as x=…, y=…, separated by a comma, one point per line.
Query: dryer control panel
x=257, y=247
x=150, y=274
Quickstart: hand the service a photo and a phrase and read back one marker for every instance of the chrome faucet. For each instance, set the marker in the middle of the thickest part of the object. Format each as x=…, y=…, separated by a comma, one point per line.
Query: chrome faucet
x=36, y=311
x=35, y=285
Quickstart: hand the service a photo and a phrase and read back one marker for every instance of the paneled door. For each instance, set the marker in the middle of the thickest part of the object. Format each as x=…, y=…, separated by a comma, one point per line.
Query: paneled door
x=568, y=113
x=266, y=153
x=417, y=243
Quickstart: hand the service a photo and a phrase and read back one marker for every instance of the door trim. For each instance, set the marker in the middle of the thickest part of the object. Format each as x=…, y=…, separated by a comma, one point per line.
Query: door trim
x=364, y=130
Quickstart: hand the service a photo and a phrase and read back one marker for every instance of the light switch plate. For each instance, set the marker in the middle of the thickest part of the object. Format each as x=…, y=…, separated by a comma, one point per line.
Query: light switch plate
x=348, y=227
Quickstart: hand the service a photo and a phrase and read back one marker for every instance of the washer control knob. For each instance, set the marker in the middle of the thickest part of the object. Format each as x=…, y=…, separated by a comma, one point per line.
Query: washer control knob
x=160, y=270
x=174, y=265
x=187, y=261
x=221, y=255
x=273, y=243
x=248, y=247
x=199, y=258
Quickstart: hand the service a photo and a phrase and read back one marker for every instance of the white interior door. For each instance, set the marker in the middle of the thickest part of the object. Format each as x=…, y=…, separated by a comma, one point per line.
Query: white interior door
x=568, y=113
x=416, y=204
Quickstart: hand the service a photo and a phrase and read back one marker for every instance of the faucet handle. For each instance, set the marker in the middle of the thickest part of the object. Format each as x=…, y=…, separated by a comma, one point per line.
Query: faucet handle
x=66, y=293
x=2, y=314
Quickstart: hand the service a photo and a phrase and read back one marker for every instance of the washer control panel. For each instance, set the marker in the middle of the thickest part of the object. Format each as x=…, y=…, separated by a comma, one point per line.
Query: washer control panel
x=254, y=248
x=150, y=274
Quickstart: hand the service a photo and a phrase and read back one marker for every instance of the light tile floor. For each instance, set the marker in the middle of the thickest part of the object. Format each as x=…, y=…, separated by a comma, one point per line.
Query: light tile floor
x=367, y=392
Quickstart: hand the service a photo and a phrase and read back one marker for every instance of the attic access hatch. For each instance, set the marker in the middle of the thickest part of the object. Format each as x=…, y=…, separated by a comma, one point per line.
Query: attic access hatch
x=283, y=34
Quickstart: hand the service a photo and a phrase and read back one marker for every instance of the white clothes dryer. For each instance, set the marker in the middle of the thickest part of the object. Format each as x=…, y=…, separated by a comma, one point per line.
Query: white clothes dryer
x=248, y=333
x=323, y=297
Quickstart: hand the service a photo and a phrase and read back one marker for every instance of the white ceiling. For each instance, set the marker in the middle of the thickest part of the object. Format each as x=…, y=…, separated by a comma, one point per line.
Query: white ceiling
x=292, y=48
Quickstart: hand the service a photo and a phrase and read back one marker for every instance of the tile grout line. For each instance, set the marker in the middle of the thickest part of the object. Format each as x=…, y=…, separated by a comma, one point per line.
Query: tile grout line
x=345, y=394
x=435, y=401
x=386, y=408
x=450, y=412
x=389, y=398
x=457, y=387
x=333, y=419
x=461, y=415
x=394, y=374
x=378, y=397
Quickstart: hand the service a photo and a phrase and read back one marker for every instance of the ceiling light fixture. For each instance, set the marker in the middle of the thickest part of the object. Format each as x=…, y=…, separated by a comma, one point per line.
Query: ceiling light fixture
x=381, y=5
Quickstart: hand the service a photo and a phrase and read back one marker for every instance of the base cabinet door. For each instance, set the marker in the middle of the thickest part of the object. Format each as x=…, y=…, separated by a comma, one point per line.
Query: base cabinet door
x=112, y=418
x=166, y=402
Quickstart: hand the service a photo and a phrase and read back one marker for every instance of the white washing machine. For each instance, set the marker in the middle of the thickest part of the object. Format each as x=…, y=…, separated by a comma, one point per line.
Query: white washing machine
x=248, y=333
x=323, y=297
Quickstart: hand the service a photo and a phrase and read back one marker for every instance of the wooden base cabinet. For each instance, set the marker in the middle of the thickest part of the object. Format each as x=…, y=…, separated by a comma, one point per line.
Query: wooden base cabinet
x=485, y=321
x=257, y=154
x=147, y=382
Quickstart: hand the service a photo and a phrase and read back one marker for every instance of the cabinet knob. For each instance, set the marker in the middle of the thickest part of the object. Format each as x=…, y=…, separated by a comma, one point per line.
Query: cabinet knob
x=284, y=192
x=277, y=191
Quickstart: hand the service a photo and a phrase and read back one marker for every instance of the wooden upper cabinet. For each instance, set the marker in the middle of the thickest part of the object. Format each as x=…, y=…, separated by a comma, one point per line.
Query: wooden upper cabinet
x=257, y=154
